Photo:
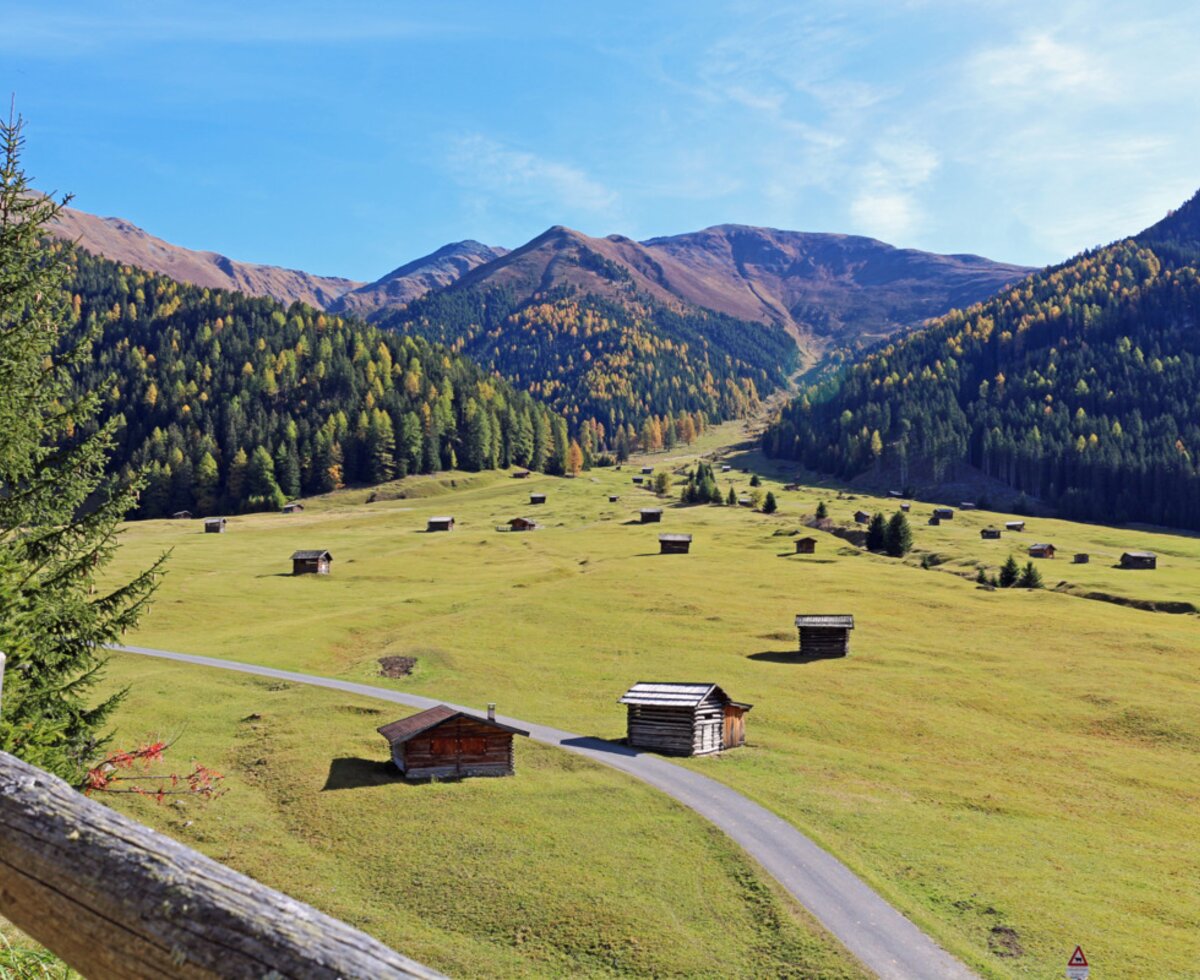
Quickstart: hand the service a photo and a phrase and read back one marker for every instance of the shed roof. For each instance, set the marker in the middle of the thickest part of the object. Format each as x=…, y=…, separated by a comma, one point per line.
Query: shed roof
x=806, y=539
x=1040, y=546
x=214, y=520
x=441, y=520
x=422, y=721
x=652, y=510
x=674, y=537
x=311, y=555
x=671, y=695
x=833, y=622
x=1139, y=554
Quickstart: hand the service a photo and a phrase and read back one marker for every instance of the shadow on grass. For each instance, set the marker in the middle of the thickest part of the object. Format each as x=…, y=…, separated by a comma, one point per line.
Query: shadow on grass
x=787, y=657
x=354, y=773
x=602, y=745
x=809, y=559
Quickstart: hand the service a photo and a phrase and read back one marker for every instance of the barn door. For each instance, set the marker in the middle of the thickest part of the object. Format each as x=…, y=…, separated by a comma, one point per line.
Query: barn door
x=734, y=732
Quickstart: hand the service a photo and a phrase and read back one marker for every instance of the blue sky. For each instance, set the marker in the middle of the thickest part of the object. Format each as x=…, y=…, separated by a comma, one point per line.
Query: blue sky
x=349, y=138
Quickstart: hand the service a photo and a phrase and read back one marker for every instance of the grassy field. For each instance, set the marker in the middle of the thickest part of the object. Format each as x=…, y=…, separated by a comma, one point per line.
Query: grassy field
x=1018, y=771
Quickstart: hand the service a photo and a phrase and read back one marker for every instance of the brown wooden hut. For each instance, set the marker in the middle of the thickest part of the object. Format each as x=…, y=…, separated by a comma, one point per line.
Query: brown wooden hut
x=182, y=515
x=311, y=562
x=824, y=635
x=1139, y=559
x=537, y=498
x=647, y=470
x=521, y=475
x=1082, y=558
x=440, y=524
x=674, y=544
x=522, y=524
x=444, y=743
x=990, y=533
x=651, y=515
x=906, y=507
x=613, y=498
x=806, y=546
x=726, y=468
x=293, y=507
x=639, y=480
x=1014, y=525
x=862, y=517
x=214, y=525
x=934, y=520
x=791, y=486
x=966, y=505
x=944, y=513
x=745, y=501
x=1041, y=550
x=684, y=719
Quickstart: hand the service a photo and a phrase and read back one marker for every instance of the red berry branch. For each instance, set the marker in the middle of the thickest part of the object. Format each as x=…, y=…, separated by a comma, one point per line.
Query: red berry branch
x=121, y=772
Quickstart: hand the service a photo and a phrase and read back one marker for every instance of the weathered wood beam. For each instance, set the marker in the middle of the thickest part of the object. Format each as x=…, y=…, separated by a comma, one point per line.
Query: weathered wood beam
x=115, y=899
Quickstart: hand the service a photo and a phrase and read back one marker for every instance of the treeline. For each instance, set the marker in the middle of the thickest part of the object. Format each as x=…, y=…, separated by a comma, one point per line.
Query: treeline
x=233, y=403
x=604, y=364
x=1077, y=386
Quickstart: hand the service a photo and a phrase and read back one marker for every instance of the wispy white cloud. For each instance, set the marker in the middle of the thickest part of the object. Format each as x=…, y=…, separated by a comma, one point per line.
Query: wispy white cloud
x=886, y=204
x=1037, y=65
x=523, y=178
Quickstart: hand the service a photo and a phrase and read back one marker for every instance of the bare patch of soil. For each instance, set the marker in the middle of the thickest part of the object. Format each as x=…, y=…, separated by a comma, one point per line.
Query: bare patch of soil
x=397, y=666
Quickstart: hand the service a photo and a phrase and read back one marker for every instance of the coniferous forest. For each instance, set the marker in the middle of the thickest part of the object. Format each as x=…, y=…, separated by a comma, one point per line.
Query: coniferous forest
x=1078, y=385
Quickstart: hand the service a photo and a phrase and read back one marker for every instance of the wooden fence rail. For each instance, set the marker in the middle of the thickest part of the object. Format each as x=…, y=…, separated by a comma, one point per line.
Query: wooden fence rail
x=115, y=899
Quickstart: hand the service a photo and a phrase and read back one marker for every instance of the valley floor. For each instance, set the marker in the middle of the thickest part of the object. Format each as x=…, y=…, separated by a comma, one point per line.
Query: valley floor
x=1017, y=771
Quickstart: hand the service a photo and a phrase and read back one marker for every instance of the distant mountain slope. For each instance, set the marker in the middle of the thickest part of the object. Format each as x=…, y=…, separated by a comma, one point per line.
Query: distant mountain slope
x=823, y=287
x=1078, y=385
x=126, y=243
x=414, y=279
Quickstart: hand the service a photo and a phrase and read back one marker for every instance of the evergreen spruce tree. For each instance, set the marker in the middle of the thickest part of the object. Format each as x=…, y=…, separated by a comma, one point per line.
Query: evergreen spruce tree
x=755, y=481
x=57, y=617
x=770, y=505
x=1030, y=578
x=731, y=500
x=876, y=533
x=822, y=510
x=1010, y=572
x=897, y=538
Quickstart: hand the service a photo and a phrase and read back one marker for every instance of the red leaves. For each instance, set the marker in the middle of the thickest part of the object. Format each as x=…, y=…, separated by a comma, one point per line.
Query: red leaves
x=120, y=770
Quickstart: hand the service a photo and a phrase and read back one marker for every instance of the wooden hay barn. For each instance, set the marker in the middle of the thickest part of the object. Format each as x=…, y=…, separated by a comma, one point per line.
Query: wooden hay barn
x=1014, y=525
x=293, y=507
x=1041, y=550
x=824, y=636
x=895, y=494
x=906, y=507
x=862, y=517
x=1082, y=558
x=944, y=513
x=522, y=524
x=521, y=475
x=990, y=533
x=745, y=502
x=214, y=525
x=1139, y=559
x=791, y=486
x=651, y=515
x=647, y=470
x=537, y=498
x=966, y=505
x=613, y=498
x=806, y=546
x=311, y=562
x=935, y=520
x=444, y=743
x=684, y=719
x=440, y=524
x=674, y=544
x=726, y=468
x=182, y=515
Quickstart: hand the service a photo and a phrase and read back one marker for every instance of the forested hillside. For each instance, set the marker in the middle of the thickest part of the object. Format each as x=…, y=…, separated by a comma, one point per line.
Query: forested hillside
x=1078, y=385
x=232, y=402
x=609, y=365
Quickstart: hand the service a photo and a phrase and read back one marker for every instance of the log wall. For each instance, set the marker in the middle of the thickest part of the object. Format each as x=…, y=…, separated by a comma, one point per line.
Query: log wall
x=460, y=747
x=817, y=641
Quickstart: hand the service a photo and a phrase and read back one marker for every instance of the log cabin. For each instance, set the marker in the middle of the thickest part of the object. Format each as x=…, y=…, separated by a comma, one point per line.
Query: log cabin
x=651, y=515
x=674, y=544
x=824, y=635
x=214, y=525
x=443, y=743
x=613, y=498
x=944, y=513
x=1041, y=550
x=683, y=719
x=862, y=517
x=806, y=546
x=639, y=480
x=537, y=498
x=311, y=562
x=906, y=507
x=293, y=507
x=521, y=475
x=1082, y=558
x=440, y=524
x=522, y=524
x=934, y=520
x=726, y=468
x=647, y=470
x=182, y=515
x=745, y=502
x=1014, y=525
x=1139, y=559
x=990, y=533
x=966, y=505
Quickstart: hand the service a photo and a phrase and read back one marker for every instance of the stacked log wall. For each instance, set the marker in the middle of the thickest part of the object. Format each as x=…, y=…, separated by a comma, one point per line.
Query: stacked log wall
x=824, y=641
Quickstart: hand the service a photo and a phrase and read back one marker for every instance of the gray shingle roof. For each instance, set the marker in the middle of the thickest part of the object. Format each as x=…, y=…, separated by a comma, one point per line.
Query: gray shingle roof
x=670, y=695
x=422, y=721
x=311, y=555
x=833, y=622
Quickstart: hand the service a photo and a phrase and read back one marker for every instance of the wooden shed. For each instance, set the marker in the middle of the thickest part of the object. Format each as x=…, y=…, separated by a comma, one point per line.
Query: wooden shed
x=293, y=507
x=639, y=480
x=684, y=719
x=806, y=546
x=862, y=517
x=934, y=520
x=906, y=507
x=674, y=544
x=745, y=502
x=613, y=498
x=522, y=524
x=944, y=513
x=990, y=533
x=440, y=524
x=537, y=498
x=824, y=635
x=791, y=486
x=214, y=525
x=647, y=470
x=1082, y=558
x=651, y=515
x=1041, y=550
x=1139, y=559
x=726, y=468
x=896, y=494
x=966, y=505
x=443, y=743
x=182, y=515
x=311, y=562
x=521, y=475
x=1014, y=525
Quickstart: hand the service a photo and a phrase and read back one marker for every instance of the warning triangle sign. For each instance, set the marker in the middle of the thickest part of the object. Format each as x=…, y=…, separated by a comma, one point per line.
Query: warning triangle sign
x=1077, y=958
